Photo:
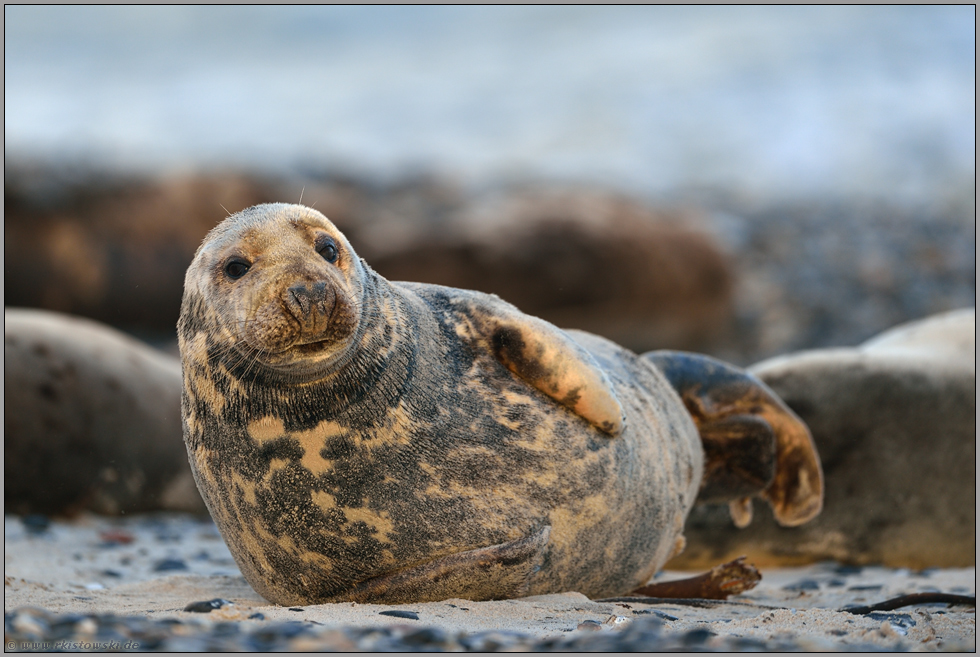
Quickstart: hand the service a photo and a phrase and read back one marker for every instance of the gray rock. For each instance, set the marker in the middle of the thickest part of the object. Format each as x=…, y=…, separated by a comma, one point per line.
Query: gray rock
x=116, y=248
x=91, y=420
x=578, y=258
x=895, y=424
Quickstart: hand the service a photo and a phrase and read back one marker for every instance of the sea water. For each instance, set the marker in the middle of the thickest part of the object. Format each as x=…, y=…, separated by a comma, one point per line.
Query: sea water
x=771, y=101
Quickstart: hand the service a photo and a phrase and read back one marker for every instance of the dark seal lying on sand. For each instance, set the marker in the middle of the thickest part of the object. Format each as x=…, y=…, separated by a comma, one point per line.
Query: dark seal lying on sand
x=358, y=439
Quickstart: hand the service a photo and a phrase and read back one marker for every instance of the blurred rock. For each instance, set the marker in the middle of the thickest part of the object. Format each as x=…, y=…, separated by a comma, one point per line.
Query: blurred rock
x=895, y=424
x=116, y=249
x=833, y=273
x=91, y=420
x=111, y=248
x=579, y=259
x=742, y=281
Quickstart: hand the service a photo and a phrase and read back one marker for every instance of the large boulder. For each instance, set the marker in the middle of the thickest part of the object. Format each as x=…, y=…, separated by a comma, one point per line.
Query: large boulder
x=894, y=421
x=91, y=420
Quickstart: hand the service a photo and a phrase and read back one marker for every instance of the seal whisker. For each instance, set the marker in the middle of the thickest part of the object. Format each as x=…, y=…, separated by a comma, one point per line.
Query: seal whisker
x=240, y=356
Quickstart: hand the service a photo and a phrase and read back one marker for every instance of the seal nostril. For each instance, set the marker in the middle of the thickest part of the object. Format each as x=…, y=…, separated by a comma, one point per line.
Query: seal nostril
x=309, y=302
x=299, y=301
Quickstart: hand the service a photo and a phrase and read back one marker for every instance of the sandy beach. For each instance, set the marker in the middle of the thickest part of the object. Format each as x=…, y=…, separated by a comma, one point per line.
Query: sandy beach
x=100, y=579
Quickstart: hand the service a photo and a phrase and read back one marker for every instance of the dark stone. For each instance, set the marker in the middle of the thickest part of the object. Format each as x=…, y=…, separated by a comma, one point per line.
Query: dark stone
x=169, y=564
x=398, y=613
x=696, y=637
x=427, y=637
x=803, y=585
x=902, y=620
x=207, y=606
x=845, y=569
x=36, y=523
x=226, y=629
x=657, y=613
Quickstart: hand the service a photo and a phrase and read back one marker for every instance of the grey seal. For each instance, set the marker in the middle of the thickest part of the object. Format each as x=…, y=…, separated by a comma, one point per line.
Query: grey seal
x=366, y=440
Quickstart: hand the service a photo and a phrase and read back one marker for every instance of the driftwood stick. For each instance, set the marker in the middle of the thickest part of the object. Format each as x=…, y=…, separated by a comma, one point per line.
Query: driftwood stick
x=913, y=599
x=718, y=583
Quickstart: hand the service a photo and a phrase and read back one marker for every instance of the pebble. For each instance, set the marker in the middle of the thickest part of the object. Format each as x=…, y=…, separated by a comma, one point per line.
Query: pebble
x=657, y=613
x=398, y=613
x=36, y=523
x=845, y=569
x=114, y=537
x=169, y=564
x=207, y=606
x=25, y=626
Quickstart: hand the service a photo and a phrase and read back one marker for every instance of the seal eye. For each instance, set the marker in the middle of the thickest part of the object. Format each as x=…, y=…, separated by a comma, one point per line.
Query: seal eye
x=236, y=268
x=328, y=250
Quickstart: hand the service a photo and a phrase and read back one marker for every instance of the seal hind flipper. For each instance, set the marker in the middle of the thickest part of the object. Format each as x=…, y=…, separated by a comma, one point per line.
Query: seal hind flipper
x=739, y=457
x=735, y=414
x=549, y=360
x=490, y=573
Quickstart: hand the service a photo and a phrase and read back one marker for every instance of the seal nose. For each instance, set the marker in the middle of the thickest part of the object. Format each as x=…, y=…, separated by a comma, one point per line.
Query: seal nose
x=304, y=300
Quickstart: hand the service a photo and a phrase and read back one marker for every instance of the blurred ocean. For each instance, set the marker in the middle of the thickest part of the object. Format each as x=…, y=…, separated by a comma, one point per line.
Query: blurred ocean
x=766, y=102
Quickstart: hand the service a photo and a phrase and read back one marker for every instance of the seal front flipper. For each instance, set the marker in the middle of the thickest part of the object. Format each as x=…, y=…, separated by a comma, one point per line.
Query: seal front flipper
x=548, y=359
x=738, y=418
x=490, y=573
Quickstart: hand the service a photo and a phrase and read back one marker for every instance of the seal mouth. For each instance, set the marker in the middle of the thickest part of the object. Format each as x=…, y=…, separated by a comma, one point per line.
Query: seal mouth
x=308, y=348
x=314, y=342
x=277, y=332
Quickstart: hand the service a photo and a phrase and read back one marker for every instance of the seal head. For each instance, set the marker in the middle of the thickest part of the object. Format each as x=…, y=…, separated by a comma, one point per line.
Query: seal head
x=280, y=287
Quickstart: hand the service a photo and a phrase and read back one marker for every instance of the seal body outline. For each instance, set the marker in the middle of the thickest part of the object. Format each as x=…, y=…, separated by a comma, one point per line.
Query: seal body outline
x=358, y=439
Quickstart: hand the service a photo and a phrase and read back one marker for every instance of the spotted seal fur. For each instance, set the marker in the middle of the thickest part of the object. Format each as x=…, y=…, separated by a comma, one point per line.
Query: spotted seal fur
x=357, y=439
